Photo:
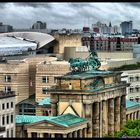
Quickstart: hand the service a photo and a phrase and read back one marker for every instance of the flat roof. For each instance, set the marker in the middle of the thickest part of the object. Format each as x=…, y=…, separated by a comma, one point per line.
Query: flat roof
x=65, y=120
x=87, y=74
x=131, y=104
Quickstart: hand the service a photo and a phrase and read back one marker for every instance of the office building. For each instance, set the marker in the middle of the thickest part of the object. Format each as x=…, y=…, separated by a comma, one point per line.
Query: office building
x=126, y=27
x=39, y=25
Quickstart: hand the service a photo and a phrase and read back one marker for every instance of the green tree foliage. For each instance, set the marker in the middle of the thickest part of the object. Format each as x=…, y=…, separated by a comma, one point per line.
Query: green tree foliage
x=126, y=67
x=131, y=128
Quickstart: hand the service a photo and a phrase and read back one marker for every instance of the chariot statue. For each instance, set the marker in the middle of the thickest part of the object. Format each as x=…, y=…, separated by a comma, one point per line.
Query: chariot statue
x=90, y=63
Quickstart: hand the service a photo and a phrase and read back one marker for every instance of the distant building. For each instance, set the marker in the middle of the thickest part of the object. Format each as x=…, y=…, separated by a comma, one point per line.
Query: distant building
x=126, y=27
x=115, y=29
x=5, y=28
x=39, y=25
x=132, y=110
x=7, y=114
x=109, y=43
x=132, y=77
x=96, y=29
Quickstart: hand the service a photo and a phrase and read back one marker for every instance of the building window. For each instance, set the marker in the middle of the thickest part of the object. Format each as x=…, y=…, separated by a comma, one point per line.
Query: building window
x=137, y=98
x=131, y=99
x=7, y=78
x=44, y=90
x=11, y=104
x=131, y=79
x=7, y=105
x=26, y=109
x=3, y=120
x=11, y=118
x=131, y=89
x=55, y=80
x=45, y=79
x=3, y=106
x=137, y=78
x=34, y=135
x=7, y=89
x=137, y=89
x=7, y=118
x=7, y=133
x=12, y=133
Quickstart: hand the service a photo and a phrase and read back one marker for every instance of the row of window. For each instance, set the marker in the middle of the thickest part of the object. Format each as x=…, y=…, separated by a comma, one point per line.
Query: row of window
x=137, y=99
x=132, y=79
x=12, y=133
x=7, y=105
x=8, y=120
x=136, y=89
x=46, y=79
x=26, y=109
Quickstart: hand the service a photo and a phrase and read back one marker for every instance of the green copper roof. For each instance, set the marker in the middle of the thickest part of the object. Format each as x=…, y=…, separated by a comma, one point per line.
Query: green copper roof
x=46, y=101
x=130, y=104
x=65, y=120
x=30, y=119
x=68, y=120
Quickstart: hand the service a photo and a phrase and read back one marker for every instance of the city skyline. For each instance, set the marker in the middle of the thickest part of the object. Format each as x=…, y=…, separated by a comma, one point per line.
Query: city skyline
x=68, y=15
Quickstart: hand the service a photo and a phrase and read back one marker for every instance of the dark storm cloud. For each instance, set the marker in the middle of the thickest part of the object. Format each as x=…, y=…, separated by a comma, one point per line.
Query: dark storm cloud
x=34, y=5
x=134, y=5
x=2, y=5
x=68, y=15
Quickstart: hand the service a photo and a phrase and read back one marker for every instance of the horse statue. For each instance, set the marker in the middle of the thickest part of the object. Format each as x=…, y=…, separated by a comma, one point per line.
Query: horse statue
x=90, y=63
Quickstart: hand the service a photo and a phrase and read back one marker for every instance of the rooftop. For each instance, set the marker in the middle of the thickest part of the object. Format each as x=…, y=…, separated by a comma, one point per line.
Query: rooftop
x=130, y=104
x=41, y=38
x=14, y=42
x=45, y=101
x=87, y=74
x=65, y=120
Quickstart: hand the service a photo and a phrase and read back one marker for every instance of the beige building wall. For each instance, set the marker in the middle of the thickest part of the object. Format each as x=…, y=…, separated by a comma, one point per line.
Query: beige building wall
x=32, y=62
x=18, y=71
x=50, y=70
x=65, y=40
x=115, y=55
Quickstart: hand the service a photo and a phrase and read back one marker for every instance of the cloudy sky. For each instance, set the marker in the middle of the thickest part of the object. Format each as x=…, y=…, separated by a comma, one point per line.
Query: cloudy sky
x=68, y=15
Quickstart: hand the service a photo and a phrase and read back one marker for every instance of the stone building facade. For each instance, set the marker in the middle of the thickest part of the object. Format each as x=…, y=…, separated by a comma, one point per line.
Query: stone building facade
x=64, y=126
x=110, y=44
x=7, y=114
x=98, y=96
x=46, y=74
x=14, y=76
x=65, y=40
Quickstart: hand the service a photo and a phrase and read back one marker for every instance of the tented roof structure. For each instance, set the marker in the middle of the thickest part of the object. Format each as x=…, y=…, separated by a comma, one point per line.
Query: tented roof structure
x=40, y=38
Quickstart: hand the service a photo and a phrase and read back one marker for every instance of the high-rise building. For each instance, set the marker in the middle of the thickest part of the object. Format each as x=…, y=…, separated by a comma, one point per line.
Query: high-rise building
x=126, y=27
x=39, y=25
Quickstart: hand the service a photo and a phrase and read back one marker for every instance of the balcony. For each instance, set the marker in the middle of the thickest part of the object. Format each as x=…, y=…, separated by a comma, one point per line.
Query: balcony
x=4, y=94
